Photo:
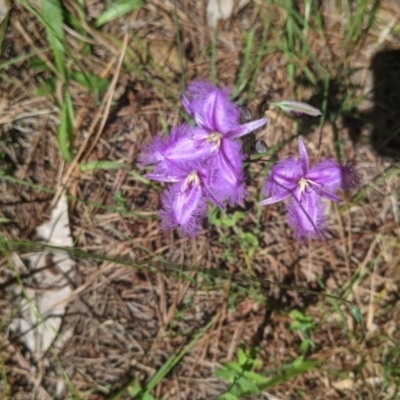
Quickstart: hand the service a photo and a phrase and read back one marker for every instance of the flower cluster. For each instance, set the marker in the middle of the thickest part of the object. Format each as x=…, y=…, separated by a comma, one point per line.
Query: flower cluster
x=202, y=162
x=306, y=188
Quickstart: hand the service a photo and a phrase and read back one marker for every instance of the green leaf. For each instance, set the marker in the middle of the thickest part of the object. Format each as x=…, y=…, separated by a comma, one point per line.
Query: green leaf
x=38, y=64
x=357, y=315
x=148, y=397
x=302, y=321
x=134, y=389
x=228, y=396
x=119, y=9
x=66, y=133
x=242, y=356
x=248, y=386
x=290, y=373
x=255, y=377
x=91, y=81
x=233, y=366
x=47, y=87
x=305, y=345
x=228, y=220
x=298, y=362
x=297, y=107
x=95, y=165
x=225, y=374
x=52, y=14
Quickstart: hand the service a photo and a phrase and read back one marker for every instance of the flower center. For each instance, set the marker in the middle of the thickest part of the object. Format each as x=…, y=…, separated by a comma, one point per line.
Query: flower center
x=304, y=184
x=215, y=137
x=193, y=178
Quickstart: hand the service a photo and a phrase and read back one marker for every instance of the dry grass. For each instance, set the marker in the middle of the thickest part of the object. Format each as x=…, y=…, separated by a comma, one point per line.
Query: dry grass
x=140, y=295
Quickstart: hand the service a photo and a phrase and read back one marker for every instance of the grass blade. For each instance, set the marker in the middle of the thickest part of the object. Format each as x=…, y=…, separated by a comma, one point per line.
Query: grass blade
x=291, y=372
x=176, y=358
x=354, y=28
x=66, y=132
x=119, y=9
x=180, y=49
x=173, y=360
x=243, y=79
x=97, y=165
x=52, y=15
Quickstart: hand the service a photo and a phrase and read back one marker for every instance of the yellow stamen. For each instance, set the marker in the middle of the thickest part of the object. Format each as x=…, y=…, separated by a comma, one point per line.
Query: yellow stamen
x=193, y=177
x=304, y=183
x=215, y=137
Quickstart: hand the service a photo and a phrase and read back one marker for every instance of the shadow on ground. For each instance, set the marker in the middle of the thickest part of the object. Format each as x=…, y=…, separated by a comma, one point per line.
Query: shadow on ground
x=383, y=117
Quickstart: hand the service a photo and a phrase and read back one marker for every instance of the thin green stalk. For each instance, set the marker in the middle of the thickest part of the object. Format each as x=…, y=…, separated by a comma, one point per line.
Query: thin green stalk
x=176, y=358
x=180, y=50
x=214, y=57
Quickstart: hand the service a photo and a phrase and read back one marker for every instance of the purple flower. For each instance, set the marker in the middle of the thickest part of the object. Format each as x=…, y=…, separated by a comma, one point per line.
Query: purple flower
x=203, y=162
x=227, y=178
x=180, y=172
x=185, y=144
x=184, y=202
x=184, y=205
x=306, y=187
x=219, y=120
x=213, y=111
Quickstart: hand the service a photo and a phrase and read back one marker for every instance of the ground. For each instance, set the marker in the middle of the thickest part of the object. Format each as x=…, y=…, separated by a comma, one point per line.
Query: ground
x=154, y=314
